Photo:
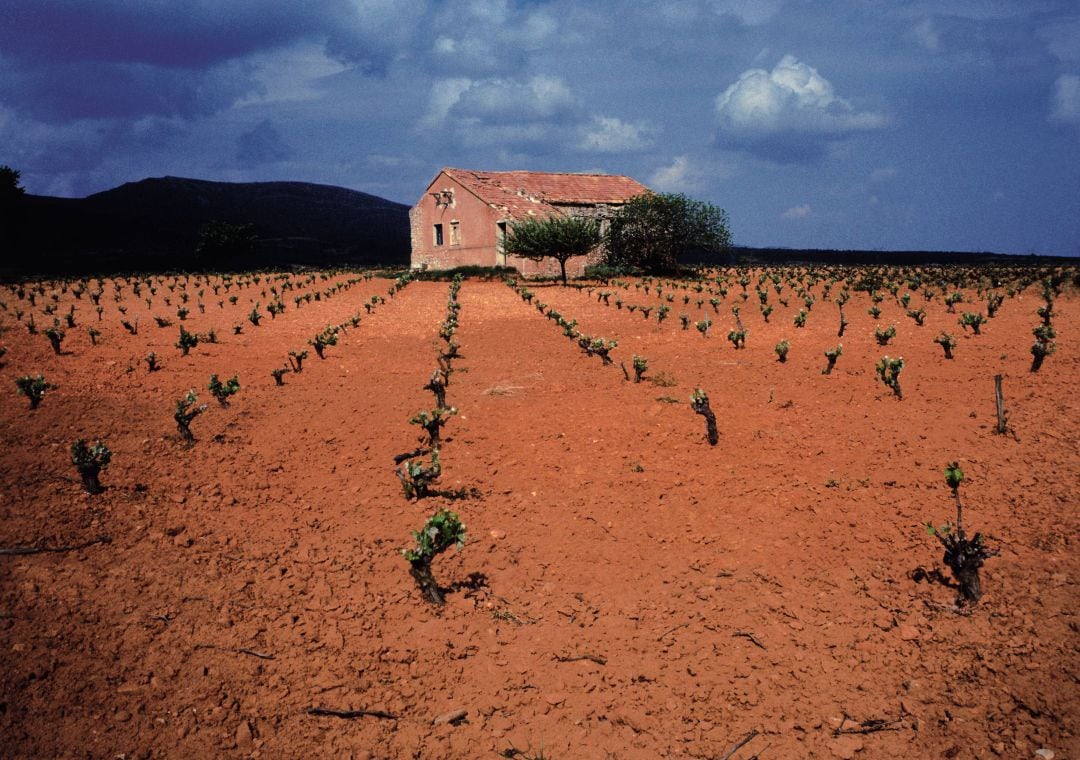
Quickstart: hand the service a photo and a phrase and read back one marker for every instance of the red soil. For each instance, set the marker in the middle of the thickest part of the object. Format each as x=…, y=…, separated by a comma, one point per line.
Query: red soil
x=760, y=585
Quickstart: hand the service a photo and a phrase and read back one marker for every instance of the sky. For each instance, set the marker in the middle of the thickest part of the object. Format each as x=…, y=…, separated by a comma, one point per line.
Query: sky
x=874, y=124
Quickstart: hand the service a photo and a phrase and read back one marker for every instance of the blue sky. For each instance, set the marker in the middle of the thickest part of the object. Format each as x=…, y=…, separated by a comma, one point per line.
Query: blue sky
x=908, y=124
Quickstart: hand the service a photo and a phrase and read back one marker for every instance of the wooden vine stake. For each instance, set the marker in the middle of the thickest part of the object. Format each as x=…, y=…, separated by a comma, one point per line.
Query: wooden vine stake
x=1002, y=424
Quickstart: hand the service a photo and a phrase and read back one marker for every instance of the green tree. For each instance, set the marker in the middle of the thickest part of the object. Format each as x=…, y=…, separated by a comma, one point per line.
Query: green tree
x=651, y=231
x=223, y=240
x=11, y=196
x=555, y=237
x=10, y=189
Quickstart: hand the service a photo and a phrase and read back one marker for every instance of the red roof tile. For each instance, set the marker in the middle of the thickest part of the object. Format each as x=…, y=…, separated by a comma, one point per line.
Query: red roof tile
x=522, y=193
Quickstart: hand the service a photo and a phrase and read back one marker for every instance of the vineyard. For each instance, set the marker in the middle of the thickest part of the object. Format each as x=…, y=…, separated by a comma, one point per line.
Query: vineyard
x=360, y=514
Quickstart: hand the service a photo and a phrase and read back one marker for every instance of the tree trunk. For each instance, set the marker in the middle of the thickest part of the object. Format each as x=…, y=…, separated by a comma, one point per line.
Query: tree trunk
x=425, y=581
x=562, y=268
x=437, y=385
x=433, y=435
x=710, y=428
x=967, y=575
x=90, y=482
x=710, y=424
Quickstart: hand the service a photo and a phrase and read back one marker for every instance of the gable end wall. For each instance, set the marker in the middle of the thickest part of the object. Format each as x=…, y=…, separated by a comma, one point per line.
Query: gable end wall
x=476, y=221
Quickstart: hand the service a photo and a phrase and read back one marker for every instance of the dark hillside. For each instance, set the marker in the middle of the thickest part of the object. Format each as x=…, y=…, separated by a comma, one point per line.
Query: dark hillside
x=154, y=224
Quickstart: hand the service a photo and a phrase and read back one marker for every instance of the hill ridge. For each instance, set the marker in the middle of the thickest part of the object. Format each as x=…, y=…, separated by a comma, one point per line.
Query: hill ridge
x=153, y=223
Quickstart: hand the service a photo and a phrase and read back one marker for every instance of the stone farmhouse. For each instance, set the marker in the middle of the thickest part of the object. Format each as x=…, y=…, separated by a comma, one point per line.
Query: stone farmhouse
x=464, y=215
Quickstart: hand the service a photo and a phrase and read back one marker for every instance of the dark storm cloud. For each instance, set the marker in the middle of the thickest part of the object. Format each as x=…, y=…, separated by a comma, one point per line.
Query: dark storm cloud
x=77, y=153
x=65, y=91
x=83, y=146
x=70, y=59
x=160, y=34
x=194, y=33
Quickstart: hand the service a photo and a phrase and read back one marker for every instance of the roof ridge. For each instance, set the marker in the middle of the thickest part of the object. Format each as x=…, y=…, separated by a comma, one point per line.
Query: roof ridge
x=526, y=192
x=532, y=171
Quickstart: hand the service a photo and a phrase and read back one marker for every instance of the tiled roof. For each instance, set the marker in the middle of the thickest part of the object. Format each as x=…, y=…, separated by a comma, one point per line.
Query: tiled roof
x=523, y=194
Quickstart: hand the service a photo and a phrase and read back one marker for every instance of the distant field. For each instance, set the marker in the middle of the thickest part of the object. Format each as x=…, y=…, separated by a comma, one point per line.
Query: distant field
x=625, y=589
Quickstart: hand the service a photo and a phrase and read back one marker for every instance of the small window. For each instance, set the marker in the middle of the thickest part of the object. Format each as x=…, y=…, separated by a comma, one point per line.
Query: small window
x=438, y=234
x=455, y=233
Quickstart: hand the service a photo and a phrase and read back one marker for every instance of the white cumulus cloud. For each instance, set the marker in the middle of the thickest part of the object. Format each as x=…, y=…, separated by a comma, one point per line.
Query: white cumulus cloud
x=797, y=212
x=508, y=101
x=488, y=37
x=444, y=94
x=536, y=114
x=606, y=134
x=688, y=173
x=789, y=113
x=462, y=100
x=678, y=177
x=791, y=97
x=292, y=74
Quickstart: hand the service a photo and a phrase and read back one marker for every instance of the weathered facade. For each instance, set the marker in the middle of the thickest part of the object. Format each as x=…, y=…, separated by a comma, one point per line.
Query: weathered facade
x=463, y=214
